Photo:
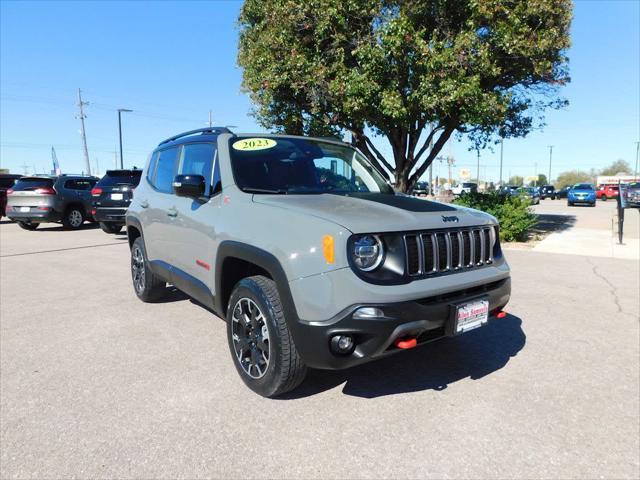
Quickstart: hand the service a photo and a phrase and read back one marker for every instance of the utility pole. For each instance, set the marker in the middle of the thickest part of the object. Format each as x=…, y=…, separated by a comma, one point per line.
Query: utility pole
x=431, y=168
x=478, y=169
x=450, y=163
x=82, y=116
x=120, y=110
x=25, y=168
x=501, y=151
x=210, y=120
x=637, y=156
x=550, y=156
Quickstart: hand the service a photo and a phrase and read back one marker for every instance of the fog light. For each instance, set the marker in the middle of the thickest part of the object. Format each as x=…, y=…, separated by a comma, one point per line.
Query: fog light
x=368, y=312
x=342, y=344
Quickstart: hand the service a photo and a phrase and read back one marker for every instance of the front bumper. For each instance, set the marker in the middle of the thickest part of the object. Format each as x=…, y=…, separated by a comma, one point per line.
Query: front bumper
x=589, y=200
x=112, y=215
x=427, y=319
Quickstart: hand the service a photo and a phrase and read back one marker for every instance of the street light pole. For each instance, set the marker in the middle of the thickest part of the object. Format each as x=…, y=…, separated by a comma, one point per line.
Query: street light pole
x=501, y=149
x=550, y=155
x=120, y=110
x=637, y=156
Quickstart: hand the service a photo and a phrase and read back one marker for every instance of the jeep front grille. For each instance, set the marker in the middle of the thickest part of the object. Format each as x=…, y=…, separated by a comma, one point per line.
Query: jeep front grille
x=452, y=250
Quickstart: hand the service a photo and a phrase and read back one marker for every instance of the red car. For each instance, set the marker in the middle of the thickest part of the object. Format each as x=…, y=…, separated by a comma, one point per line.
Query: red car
x=605, y=192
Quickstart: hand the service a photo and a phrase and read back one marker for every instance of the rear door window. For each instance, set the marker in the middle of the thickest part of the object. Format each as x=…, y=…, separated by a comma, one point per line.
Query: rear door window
x=197, y=159
x=32, y=183
x=165, y=170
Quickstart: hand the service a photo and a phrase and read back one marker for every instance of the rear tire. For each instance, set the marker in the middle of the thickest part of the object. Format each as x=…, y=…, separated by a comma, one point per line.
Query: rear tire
x=110, y=227
x=73, y=218
x=148, y=286
x=259, y=339
x=569, y=204
x=28, y=226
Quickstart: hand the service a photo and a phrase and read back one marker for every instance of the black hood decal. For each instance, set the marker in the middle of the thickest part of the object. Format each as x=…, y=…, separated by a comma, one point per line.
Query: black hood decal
x=403, y=202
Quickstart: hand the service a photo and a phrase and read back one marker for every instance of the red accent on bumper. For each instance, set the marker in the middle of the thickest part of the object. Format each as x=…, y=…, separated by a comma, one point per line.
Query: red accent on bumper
x=406, y=343
x=203, y=264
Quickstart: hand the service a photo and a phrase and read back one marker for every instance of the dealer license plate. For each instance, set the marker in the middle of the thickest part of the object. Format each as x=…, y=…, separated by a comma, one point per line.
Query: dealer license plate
x=116, y=196
x=471, y=315
x=25, y=209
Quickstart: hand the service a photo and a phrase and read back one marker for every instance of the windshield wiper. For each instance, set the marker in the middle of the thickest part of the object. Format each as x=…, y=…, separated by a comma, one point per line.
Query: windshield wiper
x=265, y=190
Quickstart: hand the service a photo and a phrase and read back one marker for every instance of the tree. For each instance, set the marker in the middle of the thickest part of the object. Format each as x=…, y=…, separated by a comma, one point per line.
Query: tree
x=619, y=166
x=572, y=177
x=542, y=180
x=413, y=72
x=516, y=180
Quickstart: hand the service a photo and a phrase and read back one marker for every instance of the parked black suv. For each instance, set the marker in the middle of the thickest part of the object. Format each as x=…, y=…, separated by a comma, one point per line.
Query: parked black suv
x=7, y=180
x=45, y=198
x=547, y=191
x=112, y=196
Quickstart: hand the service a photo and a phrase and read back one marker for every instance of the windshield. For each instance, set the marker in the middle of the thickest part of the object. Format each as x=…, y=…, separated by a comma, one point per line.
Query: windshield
x=301, y=166
x=120, y=177
x=583, y=186
x=32, y=183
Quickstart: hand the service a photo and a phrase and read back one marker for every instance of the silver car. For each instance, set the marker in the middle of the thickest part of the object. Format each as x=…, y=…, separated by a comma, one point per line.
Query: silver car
x=44, y=198
x=309, y=254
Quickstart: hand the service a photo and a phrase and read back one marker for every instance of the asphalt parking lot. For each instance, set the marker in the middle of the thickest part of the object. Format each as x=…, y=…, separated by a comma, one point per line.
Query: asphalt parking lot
x=95, y=383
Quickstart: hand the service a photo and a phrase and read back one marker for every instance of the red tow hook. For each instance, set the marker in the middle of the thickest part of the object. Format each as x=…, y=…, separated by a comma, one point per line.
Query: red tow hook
x=501, y=314
x=406, y=342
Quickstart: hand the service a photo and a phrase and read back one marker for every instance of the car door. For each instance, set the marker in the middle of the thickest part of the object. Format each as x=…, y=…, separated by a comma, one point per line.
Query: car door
x=157, y=201
x=194, y=230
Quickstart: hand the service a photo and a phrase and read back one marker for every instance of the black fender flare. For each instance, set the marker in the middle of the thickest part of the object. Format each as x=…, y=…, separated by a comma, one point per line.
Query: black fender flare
x=264, y=260
x=130, y=221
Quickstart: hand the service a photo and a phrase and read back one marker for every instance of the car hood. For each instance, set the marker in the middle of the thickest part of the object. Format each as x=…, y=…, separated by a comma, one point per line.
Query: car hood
x=368, y=213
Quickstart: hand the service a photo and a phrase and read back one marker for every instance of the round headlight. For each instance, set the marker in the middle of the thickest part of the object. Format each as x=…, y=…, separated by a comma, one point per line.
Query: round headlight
x=367, y=252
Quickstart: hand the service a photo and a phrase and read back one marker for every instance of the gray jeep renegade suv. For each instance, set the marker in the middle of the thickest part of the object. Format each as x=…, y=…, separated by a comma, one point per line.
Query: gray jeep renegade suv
x=308, y=253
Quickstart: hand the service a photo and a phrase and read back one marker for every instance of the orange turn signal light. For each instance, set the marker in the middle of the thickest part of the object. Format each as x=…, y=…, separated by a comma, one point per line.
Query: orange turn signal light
x=328, y=249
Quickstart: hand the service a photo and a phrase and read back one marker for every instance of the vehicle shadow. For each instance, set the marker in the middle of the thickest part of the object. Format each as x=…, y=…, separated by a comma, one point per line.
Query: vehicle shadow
x=6, y=222
x=53, y=227
x=433, y=366
x=550, y=223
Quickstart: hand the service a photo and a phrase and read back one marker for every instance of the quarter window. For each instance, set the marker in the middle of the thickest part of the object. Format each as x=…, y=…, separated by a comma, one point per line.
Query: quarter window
x=165, y=170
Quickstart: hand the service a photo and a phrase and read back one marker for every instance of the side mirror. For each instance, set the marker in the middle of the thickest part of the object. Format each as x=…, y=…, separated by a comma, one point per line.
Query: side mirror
x=189, y=186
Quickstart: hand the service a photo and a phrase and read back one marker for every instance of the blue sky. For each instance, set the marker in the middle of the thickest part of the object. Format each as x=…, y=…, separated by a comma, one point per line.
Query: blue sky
x=173, y=62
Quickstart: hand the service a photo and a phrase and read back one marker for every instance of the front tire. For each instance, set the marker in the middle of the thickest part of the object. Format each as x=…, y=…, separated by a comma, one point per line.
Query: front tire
x=110, y=227
x=73, y=218
x=148, y=286
x=27, y=225
x=260, y=341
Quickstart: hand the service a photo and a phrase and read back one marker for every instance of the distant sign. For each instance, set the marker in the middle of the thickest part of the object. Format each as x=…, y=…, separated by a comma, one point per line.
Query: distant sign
x=614, y=179
x=464, y=174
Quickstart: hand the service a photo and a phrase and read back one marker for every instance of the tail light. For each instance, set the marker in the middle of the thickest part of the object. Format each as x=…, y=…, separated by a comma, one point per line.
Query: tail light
x=45, y=191
x=10, y=191
x=96, y=191
x=94, y=211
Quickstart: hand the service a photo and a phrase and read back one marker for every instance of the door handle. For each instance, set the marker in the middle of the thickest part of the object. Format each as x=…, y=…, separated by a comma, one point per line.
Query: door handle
x=144, y=204
x=172, y=212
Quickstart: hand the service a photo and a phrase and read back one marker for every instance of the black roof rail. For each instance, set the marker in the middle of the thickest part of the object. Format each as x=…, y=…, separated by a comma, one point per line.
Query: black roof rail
x=199, y=130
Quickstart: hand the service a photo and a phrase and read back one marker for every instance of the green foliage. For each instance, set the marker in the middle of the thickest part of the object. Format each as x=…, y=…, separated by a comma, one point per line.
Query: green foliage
x=542, y=180
x=619, y=166
x=572, y=177
x=516, y=180
x=513, y=213
x=414, y=72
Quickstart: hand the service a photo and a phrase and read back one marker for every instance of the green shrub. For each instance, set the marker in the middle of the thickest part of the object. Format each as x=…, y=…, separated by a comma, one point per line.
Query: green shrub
x=513, y=213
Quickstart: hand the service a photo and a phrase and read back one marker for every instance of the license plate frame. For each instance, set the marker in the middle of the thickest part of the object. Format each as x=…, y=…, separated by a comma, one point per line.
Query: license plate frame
x=468, y=315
